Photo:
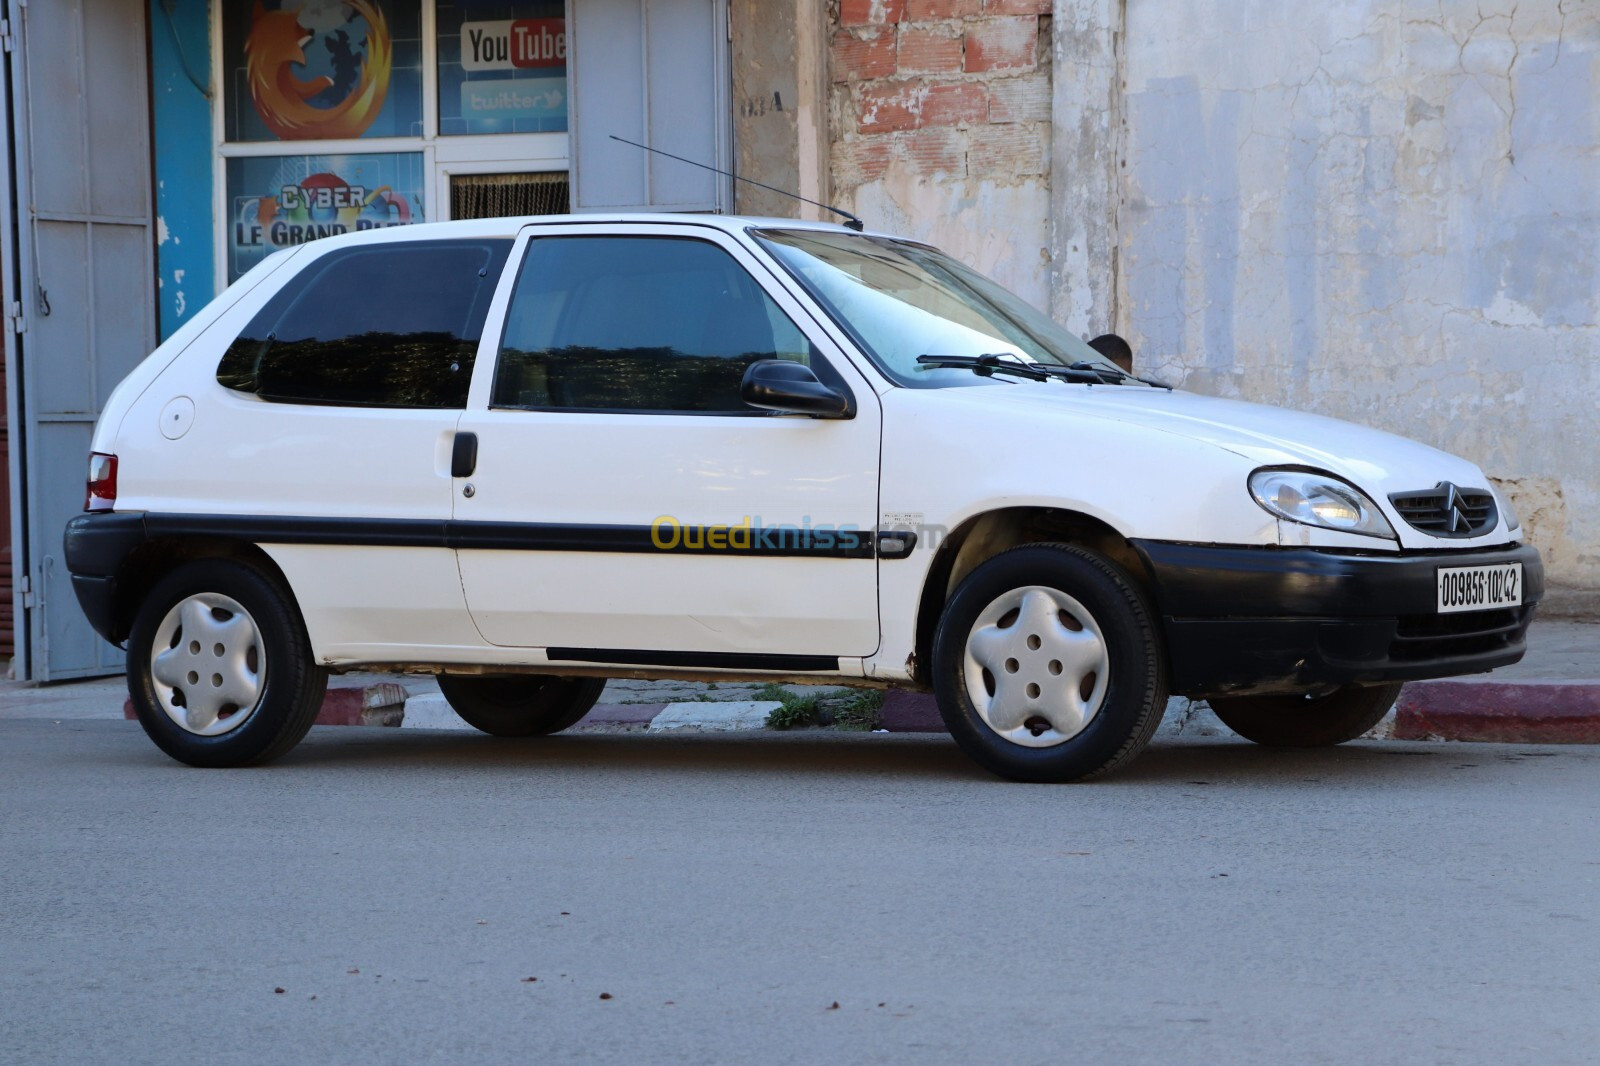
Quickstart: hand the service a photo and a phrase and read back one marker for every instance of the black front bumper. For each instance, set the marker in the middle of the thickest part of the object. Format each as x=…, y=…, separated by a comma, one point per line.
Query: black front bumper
x=1254, y=620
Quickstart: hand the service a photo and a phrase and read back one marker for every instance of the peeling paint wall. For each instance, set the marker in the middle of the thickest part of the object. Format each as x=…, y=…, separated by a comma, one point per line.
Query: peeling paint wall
x=1383, y=211
x=180, y=68
x=941, y=128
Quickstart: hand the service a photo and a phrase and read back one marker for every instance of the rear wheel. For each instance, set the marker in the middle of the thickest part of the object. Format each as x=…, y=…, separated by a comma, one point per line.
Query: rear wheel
x=1047, y=666
x=219, y=666
x=1307, y=721
x=521, y=705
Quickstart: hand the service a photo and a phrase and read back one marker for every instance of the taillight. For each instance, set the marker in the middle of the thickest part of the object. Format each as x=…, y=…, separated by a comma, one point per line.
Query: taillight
x=101, y=492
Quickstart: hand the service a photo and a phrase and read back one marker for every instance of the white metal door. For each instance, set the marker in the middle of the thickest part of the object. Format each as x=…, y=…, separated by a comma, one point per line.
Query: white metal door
x=654, y=72
x=85, y=280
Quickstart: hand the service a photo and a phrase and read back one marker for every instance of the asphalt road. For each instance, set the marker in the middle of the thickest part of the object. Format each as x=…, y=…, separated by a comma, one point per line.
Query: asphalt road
x=382, y=896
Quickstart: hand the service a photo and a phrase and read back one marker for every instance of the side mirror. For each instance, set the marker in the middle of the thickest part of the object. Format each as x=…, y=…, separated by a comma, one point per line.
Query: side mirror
x=1115, y=349
x=790, y=387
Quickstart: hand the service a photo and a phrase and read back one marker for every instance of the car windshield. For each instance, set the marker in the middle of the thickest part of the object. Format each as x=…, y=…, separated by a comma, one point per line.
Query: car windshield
x=901, y=301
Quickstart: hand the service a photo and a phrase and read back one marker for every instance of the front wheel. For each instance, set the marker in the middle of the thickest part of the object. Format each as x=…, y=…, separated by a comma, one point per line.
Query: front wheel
x=1047, y=666
x=1307, y=721
x=220, y=671
x=520, y=705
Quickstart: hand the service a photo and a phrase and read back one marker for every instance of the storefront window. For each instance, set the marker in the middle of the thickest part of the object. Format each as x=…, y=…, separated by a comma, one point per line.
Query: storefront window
x=281, y=201
x=300, y=70
x=356, y=80
x=502, y=66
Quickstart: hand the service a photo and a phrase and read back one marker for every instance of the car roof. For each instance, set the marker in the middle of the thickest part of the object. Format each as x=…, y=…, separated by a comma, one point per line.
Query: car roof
x=510, y=225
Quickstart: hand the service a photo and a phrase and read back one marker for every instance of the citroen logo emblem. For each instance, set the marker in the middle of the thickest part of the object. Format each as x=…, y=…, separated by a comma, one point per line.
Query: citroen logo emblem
x=1454, y=508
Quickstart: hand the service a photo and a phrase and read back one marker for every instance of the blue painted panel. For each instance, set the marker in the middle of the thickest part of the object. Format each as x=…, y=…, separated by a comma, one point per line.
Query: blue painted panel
x=180, y=56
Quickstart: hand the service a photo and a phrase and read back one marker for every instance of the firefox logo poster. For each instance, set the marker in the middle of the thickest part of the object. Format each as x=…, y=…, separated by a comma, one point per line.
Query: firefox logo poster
x=301, y=70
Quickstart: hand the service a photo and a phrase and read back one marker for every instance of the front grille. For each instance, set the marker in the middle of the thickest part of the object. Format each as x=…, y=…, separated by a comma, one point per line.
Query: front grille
x=1421, y=637
x=1447, y=511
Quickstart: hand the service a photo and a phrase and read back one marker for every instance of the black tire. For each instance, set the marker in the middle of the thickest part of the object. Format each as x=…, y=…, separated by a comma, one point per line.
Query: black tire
x=265, y=654
x=1307, y=721
x=1122, y=707
x=521, y=705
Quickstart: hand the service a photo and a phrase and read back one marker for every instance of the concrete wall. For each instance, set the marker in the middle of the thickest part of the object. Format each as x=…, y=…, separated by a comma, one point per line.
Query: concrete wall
x=1086, y=95
x=941, y=128
x=1382, y=210
x=780, y=106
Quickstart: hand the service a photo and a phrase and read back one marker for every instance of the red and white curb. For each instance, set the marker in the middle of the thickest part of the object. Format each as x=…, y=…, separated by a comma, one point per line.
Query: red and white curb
x=1526, y=712
x=383, y=704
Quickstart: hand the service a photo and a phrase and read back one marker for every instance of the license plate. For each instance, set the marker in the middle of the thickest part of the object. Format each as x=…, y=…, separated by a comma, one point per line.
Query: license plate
x=1479, y=588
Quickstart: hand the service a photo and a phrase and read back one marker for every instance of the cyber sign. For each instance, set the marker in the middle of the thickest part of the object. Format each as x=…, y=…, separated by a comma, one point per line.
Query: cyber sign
x=322, y=205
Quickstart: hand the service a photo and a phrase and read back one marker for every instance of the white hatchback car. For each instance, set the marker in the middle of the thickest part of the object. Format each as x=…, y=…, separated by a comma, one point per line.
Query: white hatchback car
x=528, y=455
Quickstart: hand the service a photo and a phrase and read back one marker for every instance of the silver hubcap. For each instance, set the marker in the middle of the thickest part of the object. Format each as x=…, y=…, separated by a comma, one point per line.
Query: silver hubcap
x=208, y=665
x=1036, y=666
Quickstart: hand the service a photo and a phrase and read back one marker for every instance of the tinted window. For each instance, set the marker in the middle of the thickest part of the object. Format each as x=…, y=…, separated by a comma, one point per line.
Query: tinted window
x=394, y=325
x=638, y=324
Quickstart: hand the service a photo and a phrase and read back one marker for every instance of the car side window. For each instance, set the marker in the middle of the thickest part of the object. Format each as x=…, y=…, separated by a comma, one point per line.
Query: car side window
x=642, y=324
x=392, y=325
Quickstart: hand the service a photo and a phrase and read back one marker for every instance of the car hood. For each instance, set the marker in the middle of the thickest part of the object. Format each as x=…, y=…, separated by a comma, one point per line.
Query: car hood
x=1377, y=462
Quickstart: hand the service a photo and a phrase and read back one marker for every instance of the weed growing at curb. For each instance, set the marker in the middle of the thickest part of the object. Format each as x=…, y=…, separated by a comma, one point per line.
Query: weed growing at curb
x=861, y=714
x=796, y=710
x=858, y=713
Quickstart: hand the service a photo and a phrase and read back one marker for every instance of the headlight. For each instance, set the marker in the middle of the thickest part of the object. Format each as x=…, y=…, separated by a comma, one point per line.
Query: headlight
x=1320, y=500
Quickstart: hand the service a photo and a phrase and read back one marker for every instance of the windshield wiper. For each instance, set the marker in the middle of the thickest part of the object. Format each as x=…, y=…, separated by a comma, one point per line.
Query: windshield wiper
x=1005, y=363
x=1116, y=375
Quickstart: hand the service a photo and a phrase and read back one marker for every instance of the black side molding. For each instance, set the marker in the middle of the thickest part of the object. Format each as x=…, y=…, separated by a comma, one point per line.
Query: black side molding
x=711, y=660
x=725, y=541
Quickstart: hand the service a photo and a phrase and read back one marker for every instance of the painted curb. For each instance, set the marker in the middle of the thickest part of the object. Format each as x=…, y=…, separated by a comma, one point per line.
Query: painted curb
x=613, y=715
x=1528, y=712
x=714, y=717
x=383, y=704
x=910, y=712
x=432, y=711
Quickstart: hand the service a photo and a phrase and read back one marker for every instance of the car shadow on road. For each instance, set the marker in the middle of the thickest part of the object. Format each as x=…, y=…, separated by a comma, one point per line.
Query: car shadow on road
x=926, y=756
x=793, y=753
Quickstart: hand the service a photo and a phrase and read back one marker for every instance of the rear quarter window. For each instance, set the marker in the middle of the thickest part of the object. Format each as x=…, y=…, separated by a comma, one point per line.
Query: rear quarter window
x=390, y=325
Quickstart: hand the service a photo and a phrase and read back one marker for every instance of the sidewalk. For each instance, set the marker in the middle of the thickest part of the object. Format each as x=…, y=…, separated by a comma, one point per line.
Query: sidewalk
x=1552, y=696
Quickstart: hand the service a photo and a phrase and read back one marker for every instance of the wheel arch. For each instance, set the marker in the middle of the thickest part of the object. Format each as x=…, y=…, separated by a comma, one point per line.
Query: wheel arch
x=985, y=535
x=157, y=557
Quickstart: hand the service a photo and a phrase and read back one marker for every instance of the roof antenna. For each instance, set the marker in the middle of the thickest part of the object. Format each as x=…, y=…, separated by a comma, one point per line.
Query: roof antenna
x=851, y=221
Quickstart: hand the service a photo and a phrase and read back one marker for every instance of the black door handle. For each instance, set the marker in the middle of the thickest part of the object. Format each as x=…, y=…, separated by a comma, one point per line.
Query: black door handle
x=464, y=455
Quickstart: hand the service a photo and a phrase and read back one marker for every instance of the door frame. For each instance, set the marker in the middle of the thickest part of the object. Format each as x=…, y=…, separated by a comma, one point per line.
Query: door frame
x=16, y=265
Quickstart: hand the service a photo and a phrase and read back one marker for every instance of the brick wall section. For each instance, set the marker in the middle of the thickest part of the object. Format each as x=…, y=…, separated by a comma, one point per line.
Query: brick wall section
x=947, y=88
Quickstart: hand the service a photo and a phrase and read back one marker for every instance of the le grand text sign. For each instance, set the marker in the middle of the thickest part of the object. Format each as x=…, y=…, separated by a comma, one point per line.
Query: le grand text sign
x=513, y=44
